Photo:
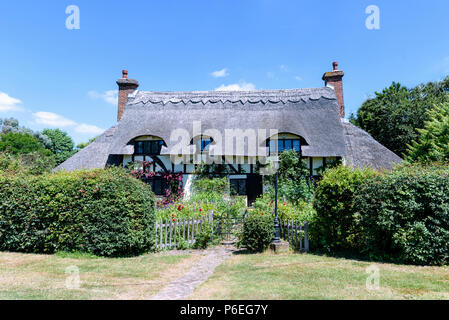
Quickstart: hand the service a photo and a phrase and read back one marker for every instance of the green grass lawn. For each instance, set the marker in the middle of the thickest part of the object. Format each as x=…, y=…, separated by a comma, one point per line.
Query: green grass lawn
x=306, y=276
x=31, y=276
x=243, y=276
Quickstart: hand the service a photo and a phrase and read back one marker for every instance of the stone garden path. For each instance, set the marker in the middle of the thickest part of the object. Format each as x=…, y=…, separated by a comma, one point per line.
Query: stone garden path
x=183, y=287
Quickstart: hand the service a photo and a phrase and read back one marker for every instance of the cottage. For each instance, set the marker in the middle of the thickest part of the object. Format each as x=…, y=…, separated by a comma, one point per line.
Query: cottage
x=178, y=130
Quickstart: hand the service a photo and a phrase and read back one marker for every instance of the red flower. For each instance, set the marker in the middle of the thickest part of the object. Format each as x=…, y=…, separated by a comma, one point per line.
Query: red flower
x=285, y=203
x=173, y=215
x=263, y=213
x=173, y=220
x=201, y=210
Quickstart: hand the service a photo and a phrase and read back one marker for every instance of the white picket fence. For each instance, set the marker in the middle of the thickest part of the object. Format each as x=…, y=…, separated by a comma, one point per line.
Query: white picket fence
x=296, y=233
x=169, y=233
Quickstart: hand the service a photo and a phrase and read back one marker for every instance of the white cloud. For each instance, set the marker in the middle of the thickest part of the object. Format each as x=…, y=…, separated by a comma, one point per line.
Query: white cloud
x=243, y=86
x=55, y=120
x=110, y=96
x=298, y=78
x=283, y=68
x=220, y=73
x=270, y=75
x=8, y=103
x=88, y=129
x=52, y=119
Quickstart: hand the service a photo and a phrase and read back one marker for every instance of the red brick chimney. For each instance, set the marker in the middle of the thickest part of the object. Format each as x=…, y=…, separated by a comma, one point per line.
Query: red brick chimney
x=334, y=79
x=125, y=87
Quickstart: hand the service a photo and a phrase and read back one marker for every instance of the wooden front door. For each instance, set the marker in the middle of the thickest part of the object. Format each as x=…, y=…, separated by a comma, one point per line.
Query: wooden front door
x=253, y=187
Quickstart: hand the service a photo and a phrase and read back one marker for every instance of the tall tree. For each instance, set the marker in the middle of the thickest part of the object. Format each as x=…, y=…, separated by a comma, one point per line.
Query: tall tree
x=12, y=125
x=393, y=116
x=433, y=143
x=21, y=143
x=82, y=145
x=61, y=144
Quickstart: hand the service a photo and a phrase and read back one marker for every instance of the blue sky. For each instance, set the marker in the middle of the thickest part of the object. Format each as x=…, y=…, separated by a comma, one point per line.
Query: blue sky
x=54, y=77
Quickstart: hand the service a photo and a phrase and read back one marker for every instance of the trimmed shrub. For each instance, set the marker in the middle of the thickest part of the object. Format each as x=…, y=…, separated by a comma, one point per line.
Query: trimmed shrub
x=337, y=225
x=257, y=233
x=102, y=212
x=405, y=215
x=34, y=163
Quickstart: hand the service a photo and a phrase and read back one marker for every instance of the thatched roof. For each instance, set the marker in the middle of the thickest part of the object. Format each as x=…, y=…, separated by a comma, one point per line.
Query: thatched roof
x=310, y=113
x=93, y=156
x=363, y=151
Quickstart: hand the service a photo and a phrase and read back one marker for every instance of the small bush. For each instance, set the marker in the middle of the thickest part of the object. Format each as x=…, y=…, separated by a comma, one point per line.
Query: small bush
x=405, y=215
x=258, y=232
x=337, y=225
x=182, y=245
x=102, y=212
x=205, y=237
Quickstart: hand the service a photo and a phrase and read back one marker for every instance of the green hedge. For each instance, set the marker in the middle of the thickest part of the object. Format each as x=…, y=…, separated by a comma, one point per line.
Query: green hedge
x=405, y=215
x=258, y=232
x=103, y=212
x=336, y=226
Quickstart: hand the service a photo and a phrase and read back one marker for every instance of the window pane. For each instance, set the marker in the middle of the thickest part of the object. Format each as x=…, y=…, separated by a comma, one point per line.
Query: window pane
x=272, y=146
x=205, y=144
x=154, y=147
x=146, y=147
x=297, y=145
x=280, y=146
x=139, y=147
x=288, y=145
x=242, y=187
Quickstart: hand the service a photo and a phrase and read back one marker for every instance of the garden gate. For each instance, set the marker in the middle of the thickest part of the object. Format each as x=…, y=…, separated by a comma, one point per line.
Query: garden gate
x=229, y=227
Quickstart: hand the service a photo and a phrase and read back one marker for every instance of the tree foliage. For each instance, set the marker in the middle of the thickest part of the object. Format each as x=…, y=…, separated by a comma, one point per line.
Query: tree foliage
x=433, y=142
x=394, y=114
x=82, y=145
x=8, y=125
x=210, y=171
x=61, y=144
x=20, y=140
x=294, y=183
x=21, y=143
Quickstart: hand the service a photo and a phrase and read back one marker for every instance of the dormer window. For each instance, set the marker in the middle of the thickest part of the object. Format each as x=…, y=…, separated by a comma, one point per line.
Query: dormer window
x=202, y=143
x=284, y=145
x=205, y=144
x=285, y=141
x=148, y=148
